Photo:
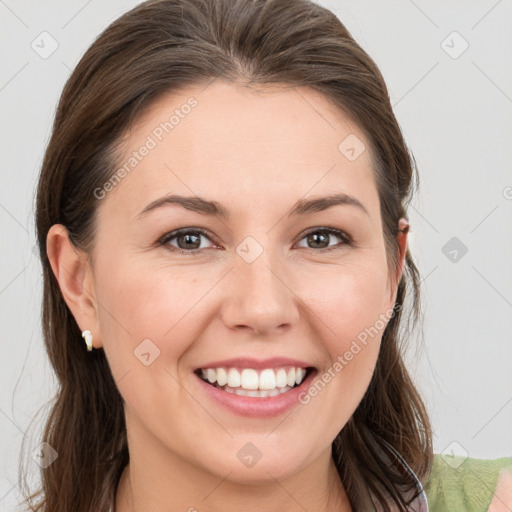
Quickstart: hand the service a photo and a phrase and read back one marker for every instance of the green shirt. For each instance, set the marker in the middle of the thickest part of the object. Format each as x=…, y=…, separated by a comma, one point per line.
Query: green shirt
x=463, y=484
x=455, y=484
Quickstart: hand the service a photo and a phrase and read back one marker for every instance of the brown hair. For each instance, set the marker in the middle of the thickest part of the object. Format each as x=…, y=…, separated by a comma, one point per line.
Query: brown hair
x=159, y=47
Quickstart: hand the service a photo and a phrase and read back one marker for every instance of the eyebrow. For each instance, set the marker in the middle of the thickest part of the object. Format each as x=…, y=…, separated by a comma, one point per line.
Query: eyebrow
x=214, y=209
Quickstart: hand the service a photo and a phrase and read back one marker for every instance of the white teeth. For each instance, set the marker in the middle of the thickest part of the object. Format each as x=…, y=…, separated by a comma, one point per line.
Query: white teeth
x=222, y=377
x=257, y=393
x=234, y=380
x=291, y=377
x=211, y=375
x=281, y=378
x=249, y=379
x=270, y=380
x=267, y=379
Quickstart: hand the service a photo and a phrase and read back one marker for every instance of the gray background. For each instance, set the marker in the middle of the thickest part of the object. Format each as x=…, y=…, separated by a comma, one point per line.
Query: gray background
x=455, y=109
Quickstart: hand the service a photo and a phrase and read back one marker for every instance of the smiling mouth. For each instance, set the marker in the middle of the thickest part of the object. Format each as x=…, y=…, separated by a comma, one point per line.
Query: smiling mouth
x=255, y=383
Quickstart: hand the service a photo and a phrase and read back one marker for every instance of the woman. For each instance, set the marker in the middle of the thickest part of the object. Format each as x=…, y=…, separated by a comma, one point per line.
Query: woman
x=222, y=222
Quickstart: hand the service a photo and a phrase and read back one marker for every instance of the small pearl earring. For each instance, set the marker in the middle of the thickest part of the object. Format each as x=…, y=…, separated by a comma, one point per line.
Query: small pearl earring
x=87, y=336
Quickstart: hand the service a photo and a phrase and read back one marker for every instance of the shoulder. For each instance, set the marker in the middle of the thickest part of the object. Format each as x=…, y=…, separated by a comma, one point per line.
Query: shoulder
x=470, y=485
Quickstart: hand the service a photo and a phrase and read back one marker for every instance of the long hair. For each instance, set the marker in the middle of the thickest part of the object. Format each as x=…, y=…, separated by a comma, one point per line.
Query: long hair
x=162, y=46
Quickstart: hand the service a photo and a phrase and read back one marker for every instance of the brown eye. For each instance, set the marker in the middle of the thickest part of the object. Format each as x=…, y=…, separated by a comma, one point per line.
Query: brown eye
x=321, y=238
x=187, y=240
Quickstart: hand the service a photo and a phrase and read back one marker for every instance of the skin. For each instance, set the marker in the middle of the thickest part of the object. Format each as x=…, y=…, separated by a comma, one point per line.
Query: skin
x=256, y=152
x=502, y=498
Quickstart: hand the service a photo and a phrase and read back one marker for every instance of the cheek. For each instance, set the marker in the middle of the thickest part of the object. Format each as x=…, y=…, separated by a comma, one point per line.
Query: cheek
x=349, y=300
x=148, y=320
x=352, y=308
x=142, y=309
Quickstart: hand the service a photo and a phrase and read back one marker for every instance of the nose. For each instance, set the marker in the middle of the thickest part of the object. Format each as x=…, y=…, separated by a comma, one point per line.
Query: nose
x=260, y=297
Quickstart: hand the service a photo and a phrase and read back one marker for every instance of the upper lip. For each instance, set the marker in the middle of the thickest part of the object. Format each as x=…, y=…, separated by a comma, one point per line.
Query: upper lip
x=257, y=364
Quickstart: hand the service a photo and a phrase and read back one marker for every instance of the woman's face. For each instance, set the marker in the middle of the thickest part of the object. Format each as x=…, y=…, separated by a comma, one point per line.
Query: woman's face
x=263, y=286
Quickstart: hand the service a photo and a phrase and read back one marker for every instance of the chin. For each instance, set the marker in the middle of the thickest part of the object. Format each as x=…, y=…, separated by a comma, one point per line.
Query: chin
x=259, y=461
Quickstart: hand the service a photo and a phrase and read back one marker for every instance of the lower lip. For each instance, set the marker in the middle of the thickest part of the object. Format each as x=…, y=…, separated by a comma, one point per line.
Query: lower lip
x=257, y=407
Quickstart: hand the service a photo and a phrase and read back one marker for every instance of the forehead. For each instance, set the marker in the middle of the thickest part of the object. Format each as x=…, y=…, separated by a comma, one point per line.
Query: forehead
x=230, y=141
x=248, y=115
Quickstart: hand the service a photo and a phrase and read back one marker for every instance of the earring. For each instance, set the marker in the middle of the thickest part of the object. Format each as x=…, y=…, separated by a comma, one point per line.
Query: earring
x=87, y=336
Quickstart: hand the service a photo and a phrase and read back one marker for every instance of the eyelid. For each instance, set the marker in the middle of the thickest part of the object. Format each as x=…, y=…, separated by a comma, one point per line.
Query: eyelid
x=333, y=231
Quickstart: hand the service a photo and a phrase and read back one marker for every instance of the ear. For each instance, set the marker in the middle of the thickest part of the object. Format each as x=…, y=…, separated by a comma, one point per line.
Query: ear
x=73, y=272
x=403, y=230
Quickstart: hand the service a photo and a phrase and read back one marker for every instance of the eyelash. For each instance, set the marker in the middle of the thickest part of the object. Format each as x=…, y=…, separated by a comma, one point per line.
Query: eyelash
x=164, y=241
